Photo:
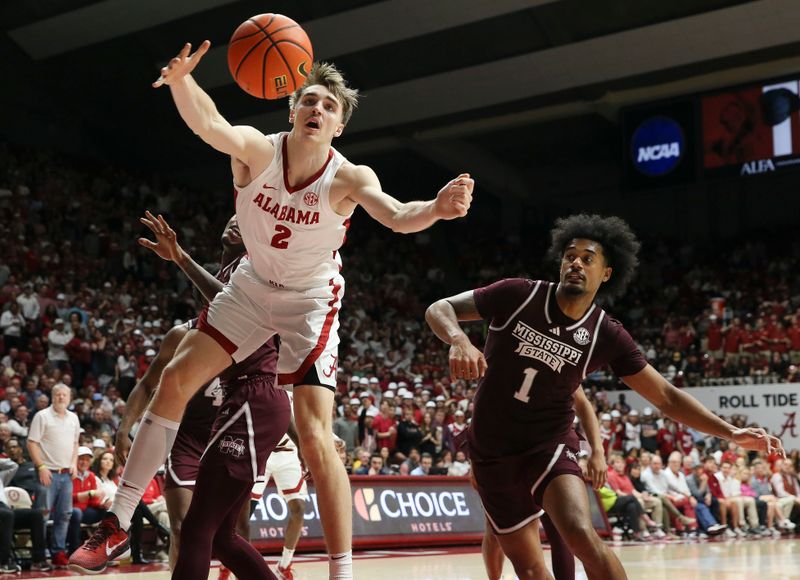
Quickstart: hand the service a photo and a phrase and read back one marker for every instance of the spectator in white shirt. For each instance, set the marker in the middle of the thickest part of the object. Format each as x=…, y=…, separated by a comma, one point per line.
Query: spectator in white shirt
x=633, y=431
x=732, y=488
x=784, y=482
x=657, y=483
x=12, y=323
x=57, y=339
x=29, y=304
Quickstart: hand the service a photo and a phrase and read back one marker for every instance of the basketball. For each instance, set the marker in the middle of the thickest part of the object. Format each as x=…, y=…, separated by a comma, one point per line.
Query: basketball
x=270, y=56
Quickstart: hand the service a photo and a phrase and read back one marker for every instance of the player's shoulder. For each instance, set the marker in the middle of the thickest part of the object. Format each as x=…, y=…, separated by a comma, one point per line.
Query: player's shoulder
x=356, y=176
x=521, y=285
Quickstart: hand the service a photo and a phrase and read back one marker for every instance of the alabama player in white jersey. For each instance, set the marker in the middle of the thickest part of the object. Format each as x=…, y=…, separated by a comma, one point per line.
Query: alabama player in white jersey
x=294, y=197
x=283, y=467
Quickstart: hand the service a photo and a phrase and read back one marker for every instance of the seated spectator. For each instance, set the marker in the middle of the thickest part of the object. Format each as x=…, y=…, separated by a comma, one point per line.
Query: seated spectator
x=784, y=482
x=424, y=467
x=697, y=482
x=621, y=484
x=375, y=467
x=732, y=488
x=87, y=498
x=411, y=462
x=627, y=508
x=19, y=517
x=460, y=466
x=27, y=476
x=656, y=482
x=679, y=492
x=761, y=485
x=728, y=509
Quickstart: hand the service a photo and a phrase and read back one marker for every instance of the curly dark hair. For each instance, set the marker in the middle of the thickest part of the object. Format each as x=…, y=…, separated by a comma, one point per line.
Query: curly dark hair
x=620, y=245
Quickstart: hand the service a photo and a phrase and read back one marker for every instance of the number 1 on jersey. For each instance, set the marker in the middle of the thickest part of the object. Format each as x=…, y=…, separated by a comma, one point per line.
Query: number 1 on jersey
x=523, y=394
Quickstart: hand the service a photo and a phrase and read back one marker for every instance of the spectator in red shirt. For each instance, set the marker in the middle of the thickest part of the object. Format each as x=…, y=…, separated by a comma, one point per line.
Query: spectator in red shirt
x=85, y=496
x=666, y=438
x=622, y=485
x=714, y=334
x=727, y=508
x=732, y=340
x=793, y=334
x=684, y=440
x=385, y=426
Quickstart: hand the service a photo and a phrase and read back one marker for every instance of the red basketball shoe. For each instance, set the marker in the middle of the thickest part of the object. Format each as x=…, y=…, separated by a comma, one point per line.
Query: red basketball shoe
x=224, y=573
x=285, y=573
x=108, y=542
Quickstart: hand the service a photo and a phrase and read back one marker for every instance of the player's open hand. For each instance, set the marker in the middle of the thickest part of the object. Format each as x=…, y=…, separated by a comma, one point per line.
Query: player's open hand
x=166, y=245
x=454, y=199
x=598, y=469
x=466, y=361
x=181, y=65
x=757, y=439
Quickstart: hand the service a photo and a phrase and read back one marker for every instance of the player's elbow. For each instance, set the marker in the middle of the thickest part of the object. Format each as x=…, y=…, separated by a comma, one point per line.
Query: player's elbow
x=432, y=312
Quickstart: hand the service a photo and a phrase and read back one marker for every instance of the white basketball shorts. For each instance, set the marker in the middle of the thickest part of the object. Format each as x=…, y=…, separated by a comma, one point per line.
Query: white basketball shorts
x=284, y=468
x=247, y=312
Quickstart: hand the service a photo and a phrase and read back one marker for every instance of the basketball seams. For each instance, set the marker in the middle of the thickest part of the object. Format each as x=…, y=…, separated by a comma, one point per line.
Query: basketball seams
x=270, y=70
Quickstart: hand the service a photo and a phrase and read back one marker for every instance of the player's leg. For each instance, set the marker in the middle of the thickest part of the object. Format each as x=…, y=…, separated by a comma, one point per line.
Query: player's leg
x=563, y=559
x=294, y=527
x=567, y=504
x=312, y=409
x=211, y=523
x=492, y=553
x=178, y=501
x=524, y=550
x=198, y=359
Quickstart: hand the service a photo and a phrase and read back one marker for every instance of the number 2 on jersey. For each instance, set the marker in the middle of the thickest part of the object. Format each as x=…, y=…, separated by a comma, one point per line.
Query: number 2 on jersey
x=282, y=233
x=523, y=394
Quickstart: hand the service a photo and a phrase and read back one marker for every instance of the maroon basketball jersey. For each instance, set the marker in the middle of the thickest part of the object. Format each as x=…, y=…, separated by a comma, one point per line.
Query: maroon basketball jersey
x=536, y=358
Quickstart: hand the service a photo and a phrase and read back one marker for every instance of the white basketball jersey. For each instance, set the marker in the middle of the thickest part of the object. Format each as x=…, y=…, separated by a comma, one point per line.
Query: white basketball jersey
x=292, y=234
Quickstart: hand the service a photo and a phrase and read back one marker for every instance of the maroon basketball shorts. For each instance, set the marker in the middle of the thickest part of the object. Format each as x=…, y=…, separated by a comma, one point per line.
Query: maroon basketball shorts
x=183, y=462
x=249, y=425
x=511, y=488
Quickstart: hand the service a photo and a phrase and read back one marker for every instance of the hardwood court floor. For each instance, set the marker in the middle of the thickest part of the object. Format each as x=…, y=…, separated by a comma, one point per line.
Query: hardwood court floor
x=733, y=560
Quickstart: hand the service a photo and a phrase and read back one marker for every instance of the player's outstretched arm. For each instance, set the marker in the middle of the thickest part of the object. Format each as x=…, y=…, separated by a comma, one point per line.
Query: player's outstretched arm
x=598, y=471
x=681, y=406
x=200, y=113
x=466, y=361
x=452, y=201
x=140, y=395
x=167, y=248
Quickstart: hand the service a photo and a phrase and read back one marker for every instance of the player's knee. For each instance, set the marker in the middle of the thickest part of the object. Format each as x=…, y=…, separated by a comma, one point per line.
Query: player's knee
x=316, y=446
x=174, y=382
x=578, y=534
x=296, y=508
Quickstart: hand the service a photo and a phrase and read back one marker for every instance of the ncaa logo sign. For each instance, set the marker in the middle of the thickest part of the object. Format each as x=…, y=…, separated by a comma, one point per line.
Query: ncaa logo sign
x=657, y=146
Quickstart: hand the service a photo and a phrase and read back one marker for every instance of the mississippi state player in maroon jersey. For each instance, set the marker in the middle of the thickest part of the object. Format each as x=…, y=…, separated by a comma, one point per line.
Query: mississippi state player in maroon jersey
x=238, y=448
x=544, y=338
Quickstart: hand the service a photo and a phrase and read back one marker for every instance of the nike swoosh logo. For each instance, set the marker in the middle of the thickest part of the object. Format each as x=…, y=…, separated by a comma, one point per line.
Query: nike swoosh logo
x=339, y=558
x=270, y=187
x=110, y=549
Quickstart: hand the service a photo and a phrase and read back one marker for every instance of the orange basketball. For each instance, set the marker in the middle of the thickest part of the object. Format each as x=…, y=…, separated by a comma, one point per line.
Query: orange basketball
x=270, y=56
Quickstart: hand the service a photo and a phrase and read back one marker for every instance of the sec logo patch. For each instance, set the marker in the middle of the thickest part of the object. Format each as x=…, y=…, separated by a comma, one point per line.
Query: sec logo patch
x=311, y=199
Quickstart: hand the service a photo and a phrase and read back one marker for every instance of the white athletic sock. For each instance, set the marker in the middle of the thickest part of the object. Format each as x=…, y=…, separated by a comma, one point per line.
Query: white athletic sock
x=286, y=558
x=340, y=566
x=150, y=449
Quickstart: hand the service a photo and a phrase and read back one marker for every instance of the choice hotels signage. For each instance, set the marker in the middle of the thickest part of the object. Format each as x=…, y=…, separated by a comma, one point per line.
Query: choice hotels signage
x=431, y=510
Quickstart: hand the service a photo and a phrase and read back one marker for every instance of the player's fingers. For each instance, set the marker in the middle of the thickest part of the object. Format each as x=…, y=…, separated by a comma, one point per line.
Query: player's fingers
x=147, y=244
x=187, y=48
x=150, y=225
x=164, y=225
x=473, y=368
x=158, y=82
x=202, y=49
x=481, y=366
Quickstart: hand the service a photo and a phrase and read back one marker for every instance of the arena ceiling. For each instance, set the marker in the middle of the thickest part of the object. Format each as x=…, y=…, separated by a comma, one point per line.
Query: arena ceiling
x=522, y=92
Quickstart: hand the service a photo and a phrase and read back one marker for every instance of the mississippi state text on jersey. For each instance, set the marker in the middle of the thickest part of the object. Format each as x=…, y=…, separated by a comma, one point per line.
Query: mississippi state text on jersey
x=536, y=358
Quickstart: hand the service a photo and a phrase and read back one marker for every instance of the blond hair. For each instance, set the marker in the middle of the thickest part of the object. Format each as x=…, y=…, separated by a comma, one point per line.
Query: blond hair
x=327, y=75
